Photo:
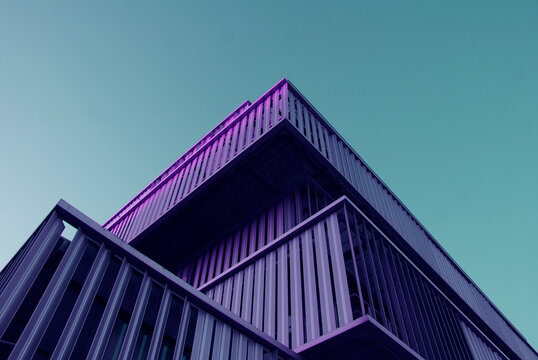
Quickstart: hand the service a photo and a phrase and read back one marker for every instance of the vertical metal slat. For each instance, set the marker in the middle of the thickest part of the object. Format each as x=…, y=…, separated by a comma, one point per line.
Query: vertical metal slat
x=82, y=306
x=258, y=298
x=246, y=310
x=311, y=305
x=43, y=313
x=128, y=345
x=282, y=316
x=29, y=268
x=113, y=304
x=182, y=331
x=341, y=288
x=270, y=298
x=160, y=324
x=297, y=333
x=328, y=321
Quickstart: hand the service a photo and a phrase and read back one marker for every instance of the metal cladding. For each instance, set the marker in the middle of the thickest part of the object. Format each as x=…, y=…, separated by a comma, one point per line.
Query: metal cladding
x=326, y=272
x=284, y=103
x=326, y=263
x=95, y=297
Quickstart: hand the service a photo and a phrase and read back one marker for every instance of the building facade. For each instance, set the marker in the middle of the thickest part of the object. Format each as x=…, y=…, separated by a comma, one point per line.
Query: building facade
x=269, y=239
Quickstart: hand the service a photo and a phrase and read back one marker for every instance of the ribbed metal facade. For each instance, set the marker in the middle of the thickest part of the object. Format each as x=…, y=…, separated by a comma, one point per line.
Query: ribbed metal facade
x=244, y=127
x=324, y=263
x=328, y=271
x=97, y=298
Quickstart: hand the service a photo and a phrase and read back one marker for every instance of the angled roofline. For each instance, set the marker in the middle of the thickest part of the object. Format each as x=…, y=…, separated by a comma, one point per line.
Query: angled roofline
x=216, y=132
x=196, y=148
x=428, y=234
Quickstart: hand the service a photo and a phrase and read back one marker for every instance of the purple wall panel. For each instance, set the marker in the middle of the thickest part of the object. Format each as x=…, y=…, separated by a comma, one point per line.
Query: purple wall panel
x=286, y=297
x=244, y=127
x=44, y=312
x=227, y=294
x=297, y=332
x=311, y=301
x=341, y=286
x=283, y=296
x=237, y=293
x=246, y=310
x=259, y=294
x=80, y=311
x=270, y=295
x=328, y=319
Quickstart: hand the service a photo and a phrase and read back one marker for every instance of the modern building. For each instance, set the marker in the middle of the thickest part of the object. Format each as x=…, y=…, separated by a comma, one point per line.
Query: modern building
x=269, y=239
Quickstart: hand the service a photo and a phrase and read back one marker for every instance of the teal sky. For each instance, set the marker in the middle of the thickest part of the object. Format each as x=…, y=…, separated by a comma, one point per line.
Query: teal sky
x=439, y=98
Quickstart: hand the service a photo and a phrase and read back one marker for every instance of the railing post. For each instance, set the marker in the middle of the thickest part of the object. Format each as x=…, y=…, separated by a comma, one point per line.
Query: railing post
x=363, y=311
x=129, y=342
x=160, y=324
x=43, y=313
x=182, y=331
x=82, y=306
x=28, y=269
x=107, y=320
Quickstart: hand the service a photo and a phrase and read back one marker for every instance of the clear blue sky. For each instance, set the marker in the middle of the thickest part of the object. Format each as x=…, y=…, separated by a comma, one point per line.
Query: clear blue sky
x=441, y=99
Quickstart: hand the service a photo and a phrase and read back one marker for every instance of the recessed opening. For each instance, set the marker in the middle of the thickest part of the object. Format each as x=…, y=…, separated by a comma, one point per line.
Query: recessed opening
x=69, y=231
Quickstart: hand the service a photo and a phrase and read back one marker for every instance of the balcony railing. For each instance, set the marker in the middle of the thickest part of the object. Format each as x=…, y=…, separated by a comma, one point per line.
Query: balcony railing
x=334, y=268
x=97, y=297
x=203, y=160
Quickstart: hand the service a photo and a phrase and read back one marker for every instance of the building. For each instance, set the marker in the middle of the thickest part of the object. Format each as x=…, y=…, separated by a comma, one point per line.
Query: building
x=269, y=239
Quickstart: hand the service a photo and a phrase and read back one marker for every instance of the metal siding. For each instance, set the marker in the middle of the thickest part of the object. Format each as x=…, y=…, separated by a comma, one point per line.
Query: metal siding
x=128, y=345
x=228, y=253
x=339, y=272
x=82, y=306
x=297, y=333
x=270, y=296
x=328, y=320
x=342, y=158
x=227, y=296
x=282, y=316
x=259, y=294
x=36, y=326
x=237, y=293
x=311, y=304
x=266, y=116
x=28, y=269
x=298, y=107
x=160, y=324
x=246, y=311
x=109, y=314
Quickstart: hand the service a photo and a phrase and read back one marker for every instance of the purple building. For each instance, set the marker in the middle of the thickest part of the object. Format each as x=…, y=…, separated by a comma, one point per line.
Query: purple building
x=269, y=239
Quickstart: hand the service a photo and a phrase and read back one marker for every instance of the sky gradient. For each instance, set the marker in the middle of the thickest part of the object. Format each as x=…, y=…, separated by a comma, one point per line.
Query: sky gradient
x=441, y=100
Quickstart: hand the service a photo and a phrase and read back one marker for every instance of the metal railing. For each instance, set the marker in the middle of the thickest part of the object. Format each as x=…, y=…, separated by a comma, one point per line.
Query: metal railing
x=284, y=101
x=202, y=162
x=332, y=147
x=97, y=297
x=333, y=268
